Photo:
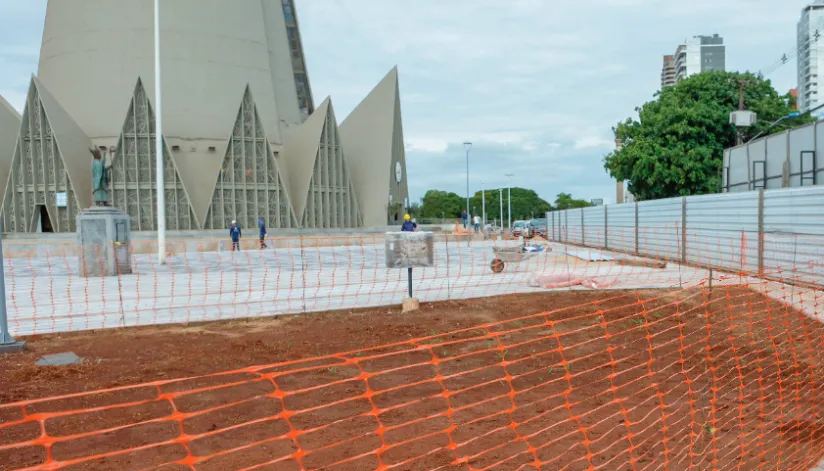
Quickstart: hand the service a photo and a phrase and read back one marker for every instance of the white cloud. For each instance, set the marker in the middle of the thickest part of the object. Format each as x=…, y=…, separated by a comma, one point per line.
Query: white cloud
x=536, y=85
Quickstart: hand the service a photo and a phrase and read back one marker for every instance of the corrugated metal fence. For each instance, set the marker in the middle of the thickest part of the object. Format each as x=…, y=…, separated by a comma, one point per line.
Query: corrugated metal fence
x=777, y=233
x=782, y=160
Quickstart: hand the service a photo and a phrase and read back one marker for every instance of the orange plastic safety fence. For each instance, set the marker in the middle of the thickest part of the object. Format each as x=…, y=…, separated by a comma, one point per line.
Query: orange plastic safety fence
x=203, y=280
x=719, y=378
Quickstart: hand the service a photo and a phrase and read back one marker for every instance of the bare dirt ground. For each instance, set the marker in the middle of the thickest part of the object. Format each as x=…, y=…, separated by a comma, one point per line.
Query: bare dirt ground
x=581, y=380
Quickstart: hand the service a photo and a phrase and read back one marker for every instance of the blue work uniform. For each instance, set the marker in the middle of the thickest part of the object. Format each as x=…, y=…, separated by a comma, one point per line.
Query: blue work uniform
x=408, y=226
x=234, y=233
x=262, y=226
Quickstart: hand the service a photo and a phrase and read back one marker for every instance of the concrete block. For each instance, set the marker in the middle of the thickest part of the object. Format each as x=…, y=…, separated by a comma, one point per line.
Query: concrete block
x=59, y=359
x=410, y=305
x=13, y=347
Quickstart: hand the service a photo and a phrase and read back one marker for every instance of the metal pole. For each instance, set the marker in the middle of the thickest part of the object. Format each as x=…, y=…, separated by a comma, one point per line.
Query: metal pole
x=161, y=186
x=7, y=342
x=467, y=147
x=467, y=186
x=501, y=199
x=409, y=275
x=483, y=205
x=509, y=198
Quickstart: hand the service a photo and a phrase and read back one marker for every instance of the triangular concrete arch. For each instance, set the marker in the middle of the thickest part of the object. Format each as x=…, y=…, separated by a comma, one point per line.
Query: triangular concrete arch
x=320, y=185
x=10, y=121
x=133, y=173
x=249, y=182
x=372, y=138
x=50, y=167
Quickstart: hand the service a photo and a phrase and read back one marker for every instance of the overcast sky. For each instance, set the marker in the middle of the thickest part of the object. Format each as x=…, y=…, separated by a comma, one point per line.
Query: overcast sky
x=535, y=84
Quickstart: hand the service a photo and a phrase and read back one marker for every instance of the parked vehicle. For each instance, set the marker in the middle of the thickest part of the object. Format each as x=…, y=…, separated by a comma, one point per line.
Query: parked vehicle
x=519, y=227
x=536, y=227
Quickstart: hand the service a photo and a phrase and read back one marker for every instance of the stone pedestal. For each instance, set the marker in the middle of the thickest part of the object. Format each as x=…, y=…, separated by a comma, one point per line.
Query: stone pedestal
x=104, y=242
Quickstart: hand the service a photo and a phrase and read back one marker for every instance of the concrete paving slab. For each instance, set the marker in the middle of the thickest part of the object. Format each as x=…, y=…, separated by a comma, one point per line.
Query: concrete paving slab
x=59, y=359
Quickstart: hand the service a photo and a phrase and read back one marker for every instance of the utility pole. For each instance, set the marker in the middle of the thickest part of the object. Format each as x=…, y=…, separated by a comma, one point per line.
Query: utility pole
x=740, y=118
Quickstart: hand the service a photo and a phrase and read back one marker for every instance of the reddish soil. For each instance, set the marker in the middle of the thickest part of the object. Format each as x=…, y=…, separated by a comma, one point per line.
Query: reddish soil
x=611, y=380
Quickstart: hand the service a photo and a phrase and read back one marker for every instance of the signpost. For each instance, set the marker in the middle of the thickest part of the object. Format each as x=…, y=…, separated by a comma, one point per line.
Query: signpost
x=409, y=250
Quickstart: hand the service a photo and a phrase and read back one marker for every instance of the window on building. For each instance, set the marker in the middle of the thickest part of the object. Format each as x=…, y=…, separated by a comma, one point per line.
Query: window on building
x=288, y=13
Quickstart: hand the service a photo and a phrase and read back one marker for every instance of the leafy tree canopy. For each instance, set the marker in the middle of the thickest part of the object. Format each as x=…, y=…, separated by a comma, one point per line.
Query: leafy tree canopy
x=675, y=148
x=441, y=204
x=566, y=201
x=526, y=204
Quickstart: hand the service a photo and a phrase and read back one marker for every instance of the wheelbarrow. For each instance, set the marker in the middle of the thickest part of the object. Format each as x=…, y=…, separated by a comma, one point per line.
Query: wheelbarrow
x=504, y=255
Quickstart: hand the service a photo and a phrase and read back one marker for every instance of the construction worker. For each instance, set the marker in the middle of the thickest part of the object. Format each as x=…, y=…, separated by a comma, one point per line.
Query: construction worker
x=408, y=225
x=234, y=233
x=262, y=227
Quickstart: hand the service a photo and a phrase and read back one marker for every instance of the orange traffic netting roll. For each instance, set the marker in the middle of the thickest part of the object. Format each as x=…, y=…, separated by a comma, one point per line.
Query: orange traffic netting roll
x=716, y=378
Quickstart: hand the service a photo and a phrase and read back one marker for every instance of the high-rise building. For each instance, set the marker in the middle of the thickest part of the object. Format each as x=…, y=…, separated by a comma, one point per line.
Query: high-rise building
x=241, y=136
x=697, y=54
x=810, y=55
x=668, y=72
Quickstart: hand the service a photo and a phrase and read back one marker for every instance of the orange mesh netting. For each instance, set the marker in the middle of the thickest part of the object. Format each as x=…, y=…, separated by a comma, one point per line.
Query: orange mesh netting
x=204, y=280
x=678, y=367
x=686, y=379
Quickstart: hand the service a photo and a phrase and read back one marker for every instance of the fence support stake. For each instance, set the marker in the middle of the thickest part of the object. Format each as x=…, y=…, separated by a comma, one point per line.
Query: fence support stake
x=409, y=276
x=683, y=230
x=761, y=232
x=606, y=228
x=7, y=342
x=636, y=228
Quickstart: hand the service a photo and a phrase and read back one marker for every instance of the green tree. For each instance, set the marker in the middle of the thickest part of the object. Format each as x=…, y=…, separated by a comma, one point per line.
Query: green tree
x=441, y=204
x=566, y=201
x=526, y=204
x=675, y=148
x=414, y=209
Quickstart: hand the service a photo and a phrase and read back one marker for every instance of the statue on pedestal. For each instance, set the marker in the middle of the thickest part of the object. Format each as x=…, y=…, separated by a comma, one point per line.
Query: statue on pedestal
x=100, y=178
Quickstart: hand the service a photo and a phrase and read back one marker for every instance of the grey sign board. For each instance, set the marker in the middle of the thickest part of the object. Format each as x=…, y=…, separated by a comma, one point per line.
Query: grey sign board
x=410, y=249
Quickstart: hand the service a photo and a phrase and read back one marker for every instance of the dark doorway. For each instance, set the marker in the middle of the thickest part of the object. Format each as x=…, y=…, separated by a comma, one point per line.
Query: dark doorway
x=45, y=221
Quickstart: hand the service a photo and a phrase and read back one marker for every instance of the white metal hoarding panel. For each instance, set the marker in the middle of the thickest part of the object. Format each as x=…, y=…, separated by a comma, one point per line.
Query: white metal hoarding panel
x=776, y=156
x=759, y=173
x=794, y=234
x=659, y=228
x=557, y=226
x=719, y=227
x=802, y=147
x=594, y=220
x=575, y=232
x=621, y=228
x=819, y=151
x=738, y=169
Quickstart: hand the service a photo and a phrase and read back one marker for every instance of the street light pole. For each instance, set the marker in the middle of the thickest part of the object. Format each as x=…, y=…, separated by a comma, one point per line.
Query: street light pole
x=467, y=146
x=161, y=187
x=483, y=204
x=509, y=198
x=501, y=201
x=789, y=116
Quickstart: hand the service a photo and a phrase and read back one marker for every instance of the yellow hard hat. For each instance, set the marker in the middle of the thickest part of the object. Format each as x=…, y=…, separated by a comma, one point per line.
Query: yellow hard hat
x=405, y=217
